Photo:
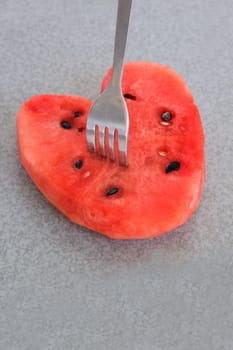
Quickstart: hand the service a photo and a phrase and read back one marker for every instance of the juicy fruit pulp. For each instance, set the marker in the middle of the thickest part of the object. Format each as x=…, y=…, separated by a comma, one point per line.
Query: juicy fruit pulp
x=162, y=185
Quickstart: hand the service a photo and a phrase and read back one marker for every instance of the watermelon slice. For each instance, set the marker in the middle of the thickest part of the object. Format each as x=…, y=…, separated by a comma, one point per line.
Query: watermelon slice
x=160, y=188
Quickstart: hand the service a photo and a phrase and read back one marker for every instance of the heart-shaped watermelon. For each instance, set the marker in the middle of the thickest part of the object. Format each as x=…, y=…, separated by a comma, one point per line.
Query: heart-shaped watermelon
x=160, y=188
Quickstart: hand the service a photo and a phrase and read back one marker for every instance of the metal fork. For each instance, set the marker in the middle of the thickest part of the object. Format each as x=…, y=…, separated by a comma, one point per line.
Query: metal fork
x=108, y=120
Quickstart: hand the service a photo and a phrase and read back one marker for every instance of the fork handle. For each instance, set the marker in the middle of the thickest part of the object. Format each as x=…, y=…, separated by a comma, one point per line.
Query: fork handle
x=122, y=24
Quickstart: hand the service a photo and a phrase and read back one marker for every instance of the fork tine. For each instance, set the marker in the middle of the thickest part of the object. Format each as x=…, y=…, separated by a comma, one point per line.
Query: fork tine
x=122, y=148
x=102, y=148
x=91, y=137
x=111, y=143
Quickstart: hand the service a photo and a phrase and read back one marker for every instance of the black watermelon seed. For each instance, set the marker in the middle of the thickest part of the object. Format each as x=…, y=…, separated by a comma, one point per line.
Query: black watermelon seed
x=166, y=116
x=65, y=125
x=130, y=97
x=173, y=166
x=77, y=114
x=79, y=164
x=112, y=191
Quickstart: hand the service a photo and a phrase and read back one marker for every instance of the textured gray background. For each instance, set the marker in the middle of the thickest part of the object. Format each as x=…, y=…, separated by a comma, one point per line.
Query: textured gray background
x=63, y=287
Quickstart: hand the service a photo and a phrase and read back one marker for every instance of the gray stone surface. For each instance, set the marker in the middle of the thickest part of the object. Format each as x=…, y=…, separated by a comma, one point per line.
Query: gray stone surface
x=63, y=287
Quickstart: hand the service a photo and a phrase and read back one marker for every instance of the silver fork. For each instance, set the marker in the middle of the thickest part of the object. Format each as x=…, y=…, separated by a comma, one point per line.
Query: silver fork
x=108, y=120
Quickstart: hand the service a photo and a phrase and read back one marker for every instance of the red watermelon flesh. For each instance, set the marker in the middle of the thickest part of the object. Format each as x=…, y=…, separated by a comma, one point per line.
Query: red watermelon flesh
x=160, y=188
